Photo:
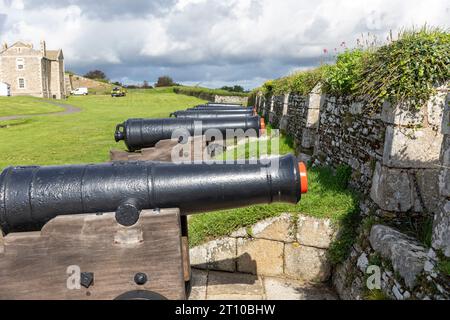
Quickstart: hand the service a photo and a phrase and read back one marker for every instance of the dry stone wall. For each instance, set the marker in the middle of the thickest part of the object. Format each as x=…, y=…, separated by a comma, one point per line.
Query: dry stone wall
x=347, y=135
x=296, y=116
x=277, y=113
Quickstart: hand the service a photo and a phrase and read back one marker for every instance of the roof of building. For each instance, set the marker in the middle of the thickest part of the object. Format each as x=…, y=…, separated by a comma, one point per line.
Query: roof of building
x=22, y=44
x=52, y=54
x=49, y=54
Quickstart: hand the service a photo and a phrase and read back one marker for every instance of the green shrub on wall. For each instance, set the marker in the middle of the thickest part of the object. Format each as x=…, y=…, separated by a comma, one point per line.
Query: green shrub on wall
x=405, y=71
x=342, y=78
x=304, y=81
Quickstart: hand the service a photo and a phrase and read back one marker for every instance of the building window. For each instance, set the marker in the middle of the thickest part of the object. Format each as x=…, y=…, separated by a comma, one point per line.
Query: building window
x=21, y=82
x=20, y=64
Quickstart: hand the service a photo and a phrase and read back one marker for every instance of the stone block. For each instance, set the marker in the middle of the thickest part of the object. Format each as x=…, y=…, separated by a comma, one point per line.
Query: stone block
x=199, y=281
x=405, y=253
x=435, y=108
x=444, y=177
x=260, y=256
x=391, y=189
x=283, y=289
x=285, y=104
x=284, y=121
x=356, y=108
x=239, y=233
x=279, y=228
x=218, y=254
x=308, y=137
x=306, y=263
x=234, y=286
x=441, y=229
x=312, y=116
x=428, y=185
x=402, y=115
x=314, y=232
x=412, y=148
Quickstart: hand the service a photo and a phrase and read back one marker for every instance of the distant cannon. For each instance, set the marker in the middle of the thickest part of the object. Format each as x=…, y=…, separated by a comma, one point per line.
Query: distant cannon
x=31, y=196
x=145, y=133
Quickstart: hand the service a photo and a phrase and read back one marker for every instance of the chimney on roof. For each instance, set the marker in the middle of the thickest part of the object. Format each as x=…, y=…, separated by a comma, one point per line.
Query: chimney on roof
x=43, y=48
x=4, y=46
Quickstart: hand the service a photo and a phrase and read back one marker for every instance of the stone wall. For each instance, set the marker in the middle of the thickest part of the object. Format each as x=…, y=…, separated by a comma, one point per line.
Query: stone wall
x=296, y=116
x=400, y=161
x=401, y=268
x=282, y=246
x=441, y=226
x=277, y=112
x=347, y=135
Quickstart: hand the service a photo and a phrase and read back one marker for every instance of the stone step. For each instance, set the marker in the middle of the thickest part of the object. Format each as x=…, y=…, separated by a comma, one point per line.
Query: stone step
x=217, y=285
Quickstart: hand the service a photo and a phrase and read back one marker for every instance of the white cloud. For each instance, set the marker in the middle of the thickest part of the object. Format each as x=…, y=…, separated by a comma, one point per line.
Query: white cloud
x=213, y=42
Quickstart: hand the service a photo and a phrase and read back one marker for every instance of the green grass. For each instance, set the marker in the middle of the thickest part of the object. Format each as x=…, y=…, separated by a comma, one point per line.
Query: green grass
x=256, y=148
x=82, y=137
x=11, y=106
x=444, y=265
x=376, y=294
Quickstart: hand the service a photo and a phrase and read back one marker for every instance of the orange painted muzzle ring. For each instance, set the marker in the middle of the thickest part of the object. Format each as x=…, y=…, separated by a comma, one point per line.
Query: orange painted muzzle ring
x=303, y=177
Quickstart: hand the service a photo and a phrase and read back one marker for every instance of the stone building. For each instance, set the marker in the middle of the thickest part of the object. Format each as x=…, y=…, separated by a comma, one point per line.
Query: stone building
x=32, y=72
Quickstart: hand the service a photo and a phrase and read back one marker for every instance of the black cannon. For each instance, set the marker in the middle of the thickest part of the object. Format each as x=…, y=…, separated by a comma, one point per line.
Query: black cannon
x=31, y=196
x=144, y=133
x=206, y=114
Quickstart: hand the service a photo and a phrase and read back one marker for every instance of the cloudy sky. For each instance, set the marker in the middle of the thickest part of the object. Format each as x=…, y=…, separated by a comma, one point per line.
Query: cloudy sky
x=206, y=42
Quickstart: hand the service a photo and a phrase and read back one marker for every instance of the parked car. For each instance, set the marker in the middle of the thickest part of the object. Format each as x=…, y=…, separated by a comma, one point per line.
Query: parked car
x=5, y=89
x=80, y=91
x=118, y=92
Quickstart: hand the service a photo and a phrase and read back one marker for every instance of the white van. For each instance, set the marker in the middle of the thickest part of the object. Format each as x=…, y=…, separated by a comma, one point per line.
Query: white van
x=5, y=89
x=80, y=91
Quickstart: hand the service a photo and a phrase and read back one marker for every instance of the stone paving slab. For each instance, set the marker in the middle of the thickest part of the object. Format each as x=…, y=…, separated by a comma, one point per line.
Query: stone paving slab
x=287, y=289
x=234, y=286
x=216, y=285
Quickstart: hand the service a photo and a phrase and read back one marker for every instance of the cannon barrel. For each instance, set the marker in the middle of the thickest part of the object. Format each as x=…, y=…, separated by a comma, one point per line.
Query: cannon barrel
x=145, y=133
x=206, y=114
x=31, y=196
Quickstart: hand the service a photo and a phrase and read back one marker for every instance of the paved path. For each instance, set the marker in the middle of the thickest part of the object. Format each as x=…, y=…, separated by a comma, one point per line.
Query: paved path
x=215, y=285
x=68, y=109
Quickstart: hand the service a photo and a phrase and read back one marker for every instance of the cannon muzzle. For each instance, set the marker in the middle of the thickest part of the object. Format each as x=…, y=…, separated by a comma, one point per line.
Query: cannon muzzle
x=31, y=196
x=145, y=133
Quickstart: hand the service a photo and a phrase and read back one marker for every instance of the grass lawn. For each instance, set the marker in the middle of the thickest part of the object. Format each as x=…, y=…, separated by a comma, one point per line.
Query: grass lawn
x=82, y=137
x=87, y=137
x=11, y=106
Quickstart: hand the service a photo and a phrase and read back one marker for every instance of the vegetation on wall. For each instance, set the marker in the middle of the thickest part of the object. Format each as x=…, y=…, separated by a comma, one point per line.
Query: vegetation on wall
x=405, y=71
x=195, y=91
